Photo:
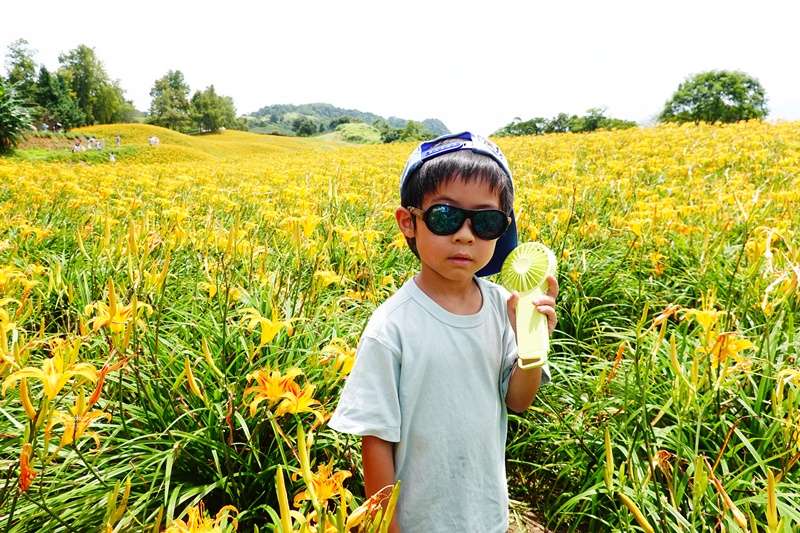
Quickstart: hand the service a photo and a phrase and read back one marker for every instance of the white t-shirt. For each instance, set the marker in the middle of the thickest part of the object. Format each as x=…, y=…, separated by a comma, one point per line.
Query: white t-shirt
x=435, y=383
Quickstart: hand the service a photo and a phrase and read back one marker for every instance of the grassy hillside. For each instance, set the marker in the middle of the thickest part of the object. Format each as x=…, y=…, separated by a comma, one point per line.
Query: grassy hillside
x=172, y=147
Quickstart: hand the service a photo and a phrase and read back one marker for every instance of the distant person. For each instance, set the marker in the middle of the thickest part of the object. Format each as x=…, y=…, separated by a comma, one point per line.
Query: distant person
x=44, y=127
x=77, y=146
x=111, y=157
x=118, y=141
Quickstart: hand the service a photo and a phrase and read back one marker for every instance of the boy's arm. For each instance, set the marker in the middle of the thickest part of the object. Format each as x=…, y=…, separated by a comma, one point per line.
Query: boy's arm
x=524, y=384
x=377, y=458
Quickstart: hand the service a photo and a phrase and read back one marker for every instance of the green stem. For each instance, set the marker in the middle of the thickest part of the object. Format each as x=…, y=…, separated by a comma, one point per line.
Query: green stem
x=89, y=466
x=11, y=512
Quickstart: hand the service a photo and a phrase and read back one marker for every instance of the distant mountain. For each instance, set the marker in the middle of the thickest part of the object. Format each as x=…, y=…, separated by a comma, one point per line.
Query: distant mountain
x=281, y=114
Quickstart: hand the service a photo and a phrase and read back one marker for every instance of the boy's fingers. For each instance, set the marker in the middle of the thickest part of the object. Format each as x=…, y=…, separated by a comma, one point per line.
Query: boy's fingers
x=550, y=313
x=511, y=303
x=552, y=289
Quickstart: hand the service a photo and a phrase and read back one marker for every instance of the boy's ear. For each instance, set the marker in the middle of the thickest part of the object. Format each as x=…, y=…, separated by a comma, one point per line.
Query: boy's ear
x=405, y=221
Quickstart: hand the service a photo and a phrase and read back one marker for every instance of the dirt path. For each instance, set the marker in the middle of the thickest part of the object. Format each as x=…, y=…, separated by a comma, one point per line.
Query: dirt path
x=522, y=520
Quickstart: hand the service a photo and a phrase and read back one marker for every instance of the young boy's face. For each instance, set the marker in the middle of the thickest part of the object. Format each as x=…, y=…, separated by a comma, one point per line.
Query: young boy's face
x=456, y=257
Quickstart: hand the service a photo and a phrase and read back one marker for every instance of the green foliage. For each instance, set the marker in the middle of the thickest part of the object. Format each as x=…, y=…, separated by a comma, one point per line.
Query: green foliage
x=212, y=112
x=15, y=117
x=359, y=133
x=170, y=107
x=344, y=119
x=304, y=126
x=594, y=119
x=21, y=67
x=101, y=99
x=55, y=102
x=279, y=118
x=716, y=96
x=412, y=131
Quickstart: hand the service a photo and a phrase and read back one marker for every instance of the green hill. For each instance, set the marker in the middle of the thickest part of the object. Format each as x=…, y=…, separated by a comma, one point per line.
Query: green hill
x=280, y=118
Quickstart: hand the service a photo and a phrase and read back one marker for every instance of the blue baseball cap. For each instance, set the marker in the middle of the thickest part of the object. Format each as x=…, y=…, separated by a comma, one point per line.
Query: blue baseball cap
x=480, y=145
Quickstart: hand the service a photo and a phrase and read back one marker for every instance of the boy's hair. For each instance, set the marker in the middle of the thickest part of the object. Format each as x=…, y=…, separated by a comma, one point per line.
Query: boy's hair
x=467, y=157
x=462, y=165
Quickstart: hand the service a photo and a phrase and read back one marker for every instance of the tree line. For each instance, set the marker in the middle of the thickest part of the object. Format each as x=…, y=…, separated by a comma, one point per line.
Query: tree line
x=316, y=118
x=80, y=93
x=712, y=96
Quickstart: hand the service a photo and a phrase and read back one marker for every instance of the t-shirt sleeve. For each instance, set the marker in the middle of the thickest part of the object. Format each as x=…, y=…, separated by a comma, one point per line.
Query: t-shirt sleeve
x=369, y=404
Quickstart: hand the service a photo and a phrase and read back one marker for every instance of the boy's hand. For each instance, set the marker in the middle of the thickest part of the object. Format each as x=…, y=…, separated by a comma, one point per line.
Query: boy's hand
x=545, y=304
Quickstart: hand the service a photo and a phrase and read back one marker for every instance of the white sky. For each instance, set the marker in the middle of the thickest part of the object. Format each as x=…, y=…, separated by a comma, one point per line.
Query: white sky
x=473, y=65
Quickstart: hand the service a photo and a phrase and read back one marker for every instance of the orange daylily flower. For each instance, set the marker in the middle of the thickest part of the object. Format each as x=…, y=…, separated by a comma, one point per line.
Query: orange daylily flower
x=26, y=472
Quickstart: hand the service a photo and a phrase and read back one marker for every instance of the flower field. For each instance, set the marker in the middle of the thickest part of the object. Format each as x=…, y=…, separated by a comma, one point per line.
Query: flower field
x=175, y=328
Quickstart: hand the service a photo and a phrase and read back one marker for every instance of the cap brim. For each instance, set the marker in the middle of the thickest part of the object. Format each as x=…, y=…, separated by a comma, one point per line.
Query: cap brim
x=505, y=244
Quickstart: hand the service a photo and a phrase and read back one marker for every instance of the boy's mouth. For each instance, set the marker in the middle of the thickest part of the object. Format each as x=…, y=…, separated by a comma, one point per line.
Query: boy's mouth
x=461, y=258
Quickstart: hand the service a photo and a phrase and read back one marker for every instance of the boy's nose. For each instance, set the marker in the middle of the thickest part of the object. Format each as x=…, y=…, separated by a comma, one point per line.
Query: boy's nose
x=464, y=233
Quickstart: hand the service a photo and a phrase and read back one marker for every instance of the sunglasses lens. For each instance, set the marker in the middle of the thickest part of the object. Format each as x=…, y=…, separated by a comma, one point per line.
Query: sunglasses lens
x=445, y=219
x=489, y=225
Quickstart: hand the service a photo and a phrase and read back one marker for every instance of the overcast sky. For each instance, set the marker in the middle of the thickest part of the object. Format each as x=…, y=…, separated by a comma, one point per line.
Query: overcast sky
x=473, y=65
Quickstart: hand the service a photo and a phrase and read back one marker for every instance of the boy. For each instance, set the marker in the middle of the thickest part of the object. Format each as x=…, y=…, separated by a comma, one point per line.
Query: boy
x=436, y=366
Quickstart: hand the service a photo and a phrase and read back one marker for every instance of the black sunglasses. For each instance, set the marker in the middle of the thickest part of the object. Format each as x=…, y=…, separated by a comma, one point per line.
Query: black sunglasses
x=441, y=219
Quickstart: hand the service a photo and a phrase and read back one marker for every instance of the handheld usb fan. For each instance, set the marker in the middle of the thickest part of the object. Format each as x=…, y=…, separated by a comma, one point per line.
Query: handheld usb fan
x=524, y=271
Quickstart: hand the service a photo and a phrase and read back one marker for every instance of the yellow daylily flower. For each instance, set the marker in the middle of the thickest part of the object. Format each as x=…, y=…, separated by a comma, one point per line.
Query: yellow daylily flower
x=269, y=327
x=271, y=386
x=326, y=484
x=198, y=521
x=343, y=356
x=707, y=318
x=210, y=288
x=726, y=345
x=76, y=422
x=329, y=277
x=55, y=372
x=295, y=402
x=114, y=315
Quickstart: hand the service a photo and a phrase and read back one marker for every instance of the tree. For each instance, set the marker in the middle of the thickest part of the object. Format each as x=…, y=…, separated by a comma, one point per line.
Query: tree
x=21, y=67
x=101, y=100
x=304, y=126
x=716, y=96
x=595, y=119
x=414, y=131
x=112, y=108
x=211, y=112
x=170, y=105
x=344, y=119
x=558, y=124
x=15, y=116
x=55, y=104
